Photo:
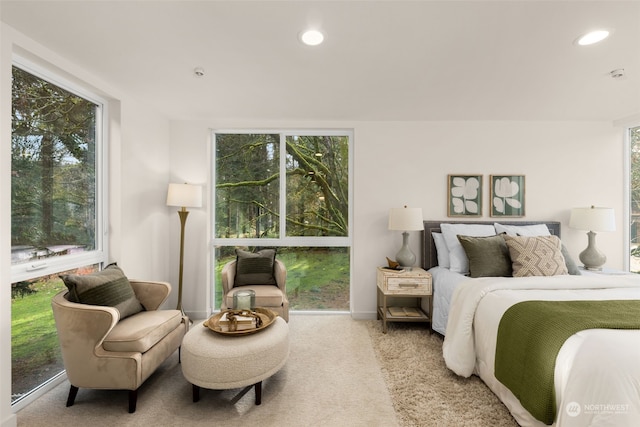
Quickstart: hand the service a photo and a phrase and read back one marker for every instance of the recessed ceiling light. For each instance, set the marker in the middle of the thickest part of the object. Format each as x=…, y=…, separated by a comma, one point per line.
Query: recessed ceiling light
x=593, y=37
x=312, y=37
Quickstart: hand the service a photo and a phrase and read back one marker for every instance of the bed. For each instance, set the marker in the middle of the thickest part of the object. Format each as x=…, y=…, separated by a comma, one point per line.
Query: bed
x=594, y=373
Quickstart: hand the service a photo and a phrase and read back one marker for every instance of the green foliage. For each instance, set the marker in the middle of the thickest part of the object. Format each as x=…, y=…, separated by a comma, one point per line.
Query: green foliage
x=317, y=186
x=35, y=352
x=52, y=164
x=21, y=289
x=248, y=178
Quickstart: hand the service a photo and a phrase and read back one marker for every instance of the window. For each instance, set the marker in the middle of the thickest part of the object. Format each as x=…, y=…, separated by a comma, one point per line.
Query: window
x=289, y=190
x=56, y=211
x=634, y=199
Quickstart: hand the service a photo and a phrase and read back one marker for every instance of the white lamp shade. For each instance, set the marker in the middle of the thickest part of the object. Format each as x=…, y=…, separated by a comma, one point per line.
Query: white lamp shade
x=405, y=219
x=593, y=219
x=184, y=195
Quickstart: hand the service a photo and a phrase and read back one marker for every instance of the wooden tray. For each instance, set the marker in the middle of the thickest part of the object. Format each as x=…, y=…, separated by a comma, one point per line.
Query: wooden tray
x=267, y=316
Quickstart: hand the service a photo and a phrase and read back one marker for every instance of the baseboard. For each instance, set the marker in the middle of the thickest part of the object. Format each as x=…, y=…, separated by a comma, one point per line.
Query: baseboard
x=365, y=315
x=11, y=421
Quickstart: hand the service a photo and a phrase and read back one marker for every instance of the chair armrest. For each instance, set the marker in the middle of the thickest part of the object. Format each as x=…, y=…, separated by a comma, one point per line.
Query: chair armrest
x=280, y=273
x=151, y=294
x=228, y=275
x=81, y=327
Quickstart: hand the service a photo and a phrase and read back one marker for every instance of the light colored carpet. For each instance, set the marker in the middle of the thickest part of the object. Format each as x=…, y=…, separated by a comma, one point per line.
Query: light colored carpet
x=330, y=379
x=340, y=372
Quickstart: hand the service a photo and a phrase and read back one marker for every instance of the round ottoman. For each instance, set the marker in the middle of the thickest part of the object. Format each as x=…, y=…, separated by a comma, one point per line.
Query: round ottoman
x=219, y=362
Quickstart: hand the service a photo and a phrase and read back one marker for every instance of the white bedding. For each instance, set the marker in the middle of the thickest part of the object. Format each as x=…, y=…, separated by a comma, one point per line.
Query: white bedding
x=597, y=376
x=444, y=283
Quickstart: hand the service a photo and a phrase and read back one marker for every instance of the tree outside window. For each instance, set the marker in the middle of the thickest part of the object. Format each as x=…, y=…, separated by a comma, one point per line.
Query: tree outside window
x=290, y=191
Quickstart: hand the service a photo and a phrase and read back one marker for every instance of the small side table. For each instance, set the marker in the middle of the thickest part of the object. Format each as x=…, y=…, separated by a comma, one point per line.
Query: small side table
x=414, y=283
x=605, y=271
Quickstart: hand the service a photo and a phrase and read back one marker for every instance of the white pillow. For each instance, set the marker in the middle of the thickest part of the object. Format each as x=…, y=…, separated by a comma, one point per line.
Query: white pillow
x=441, y=250
x=522, y=230
x=458, y=261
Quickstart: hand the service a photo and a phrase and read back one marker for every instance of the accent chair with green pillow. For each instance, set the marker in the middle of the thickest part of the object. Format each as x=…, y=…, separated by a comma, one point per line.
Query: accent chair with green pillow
x=260, y=272
x=112, y=332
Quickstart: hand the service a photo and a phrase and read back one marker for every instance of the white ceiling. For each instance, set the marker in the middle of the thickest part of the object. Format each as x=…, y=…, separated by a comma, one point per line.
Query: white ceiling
x=381, y=60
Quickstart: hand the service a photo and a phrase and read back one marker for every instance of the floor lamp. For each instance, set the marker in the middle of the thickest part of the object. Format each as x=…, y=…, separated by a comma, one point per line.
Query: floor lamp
x=185, y=196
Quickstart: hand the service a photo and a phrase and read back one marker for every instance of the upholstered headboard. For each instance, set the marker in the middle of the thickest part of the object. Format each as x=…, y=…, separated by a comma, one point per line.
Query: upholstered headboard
x=429, y=255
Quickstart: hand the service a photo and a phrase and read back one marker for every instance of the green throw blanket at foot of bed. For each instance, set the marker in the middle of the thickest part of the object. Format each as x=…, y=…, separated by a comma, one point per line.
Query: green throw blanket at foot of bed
x=531, y=334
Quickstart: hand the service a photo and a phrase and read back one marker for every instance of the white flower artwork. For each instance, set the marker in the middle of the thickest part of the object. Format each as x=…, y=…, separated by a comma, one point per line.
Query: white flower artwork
x=465, y=195
x=507, y=195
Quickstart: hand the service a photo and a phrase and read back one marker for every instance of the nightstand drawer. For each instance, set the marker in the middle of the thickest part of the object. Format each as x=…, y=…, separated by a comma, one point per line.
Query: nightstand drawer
x=409, y=284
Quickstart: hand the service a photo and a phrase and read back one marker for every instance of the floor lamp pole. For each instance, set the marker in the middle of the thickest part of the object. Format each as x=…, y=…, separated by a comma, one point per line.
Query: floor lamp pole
x=183, y=219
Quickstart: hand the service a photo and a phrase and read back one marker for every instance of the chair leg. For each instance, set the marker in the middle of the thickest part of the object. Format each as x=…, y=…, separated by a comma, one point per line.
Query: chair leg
x=73, y=392
x=258, y=390
x=179, y=356
x=133, y=399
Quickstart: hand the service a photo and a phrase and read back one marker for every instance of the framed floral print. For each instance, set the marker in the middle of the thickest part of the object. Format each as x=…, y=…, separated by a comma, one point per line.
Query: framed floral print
x=464, y=195
x=507, y=195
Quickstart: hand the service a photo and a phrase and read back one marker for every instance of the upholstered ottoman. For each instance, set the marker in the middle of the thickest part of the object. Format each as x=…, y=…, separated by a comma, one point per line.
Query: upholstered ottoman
x=219, y=362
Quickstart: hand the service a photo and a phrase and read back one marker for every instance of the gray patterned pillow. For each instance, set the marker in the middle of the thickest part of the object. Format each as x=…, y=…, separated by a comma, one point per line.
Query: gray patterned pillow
x=109, y=287
x=255, y=268
x=536, y=256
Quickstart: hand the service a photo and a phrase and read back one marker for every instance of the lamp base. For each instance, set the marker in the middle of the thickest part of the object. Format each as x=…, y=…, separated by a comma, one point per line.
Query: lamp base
x=405, y=257
x=591, y=257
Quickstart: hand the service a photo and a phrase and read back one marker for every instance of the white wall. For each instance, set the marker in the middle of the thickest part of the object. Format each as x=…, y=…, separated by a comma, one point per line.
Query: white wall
x=407, y=163
x=139, y=179
x=138, y=146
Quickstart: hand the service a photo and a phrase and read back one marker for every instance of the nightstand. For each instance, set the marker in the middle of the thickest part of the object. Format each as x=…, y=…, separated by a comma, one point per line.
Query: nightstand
x=414, y=283
x=605, y=271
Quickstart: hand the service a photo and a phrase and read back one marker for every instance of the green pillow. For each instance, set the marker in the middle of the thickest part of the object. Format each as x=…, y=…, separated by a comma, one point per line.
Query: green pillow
x=109, y=287
x=255, y=268
x=488, y=256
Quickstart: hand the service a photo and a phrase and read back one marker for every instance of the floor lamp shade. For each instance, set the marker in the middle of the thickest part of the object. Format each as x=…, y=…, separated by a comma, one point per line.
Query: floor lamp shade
x=405, y=219
x=592, y=219
x=183, y=195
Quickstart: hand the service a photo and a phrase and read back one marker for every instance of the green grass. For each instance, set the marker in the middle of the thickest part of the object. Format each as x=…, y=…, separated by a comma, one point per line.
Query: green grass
x=35, y=353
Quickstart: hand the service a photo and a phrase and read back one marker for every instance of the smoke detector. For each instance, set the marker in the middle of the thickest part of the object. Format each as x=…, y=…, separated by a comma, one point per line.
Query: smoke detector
x=618, y=73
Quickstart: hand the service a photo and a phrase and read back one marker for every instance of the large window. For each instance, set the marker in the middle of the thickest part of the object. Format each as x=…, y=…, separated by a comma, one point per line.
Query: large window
x=634, y=199
x=56, y=211
x=289, y=190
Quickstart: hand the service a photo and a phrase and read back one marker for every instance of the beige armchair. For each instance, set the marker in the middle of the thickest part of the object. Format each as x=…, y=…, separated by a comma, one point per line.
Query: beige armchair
x=100, y=351
x=267, y=296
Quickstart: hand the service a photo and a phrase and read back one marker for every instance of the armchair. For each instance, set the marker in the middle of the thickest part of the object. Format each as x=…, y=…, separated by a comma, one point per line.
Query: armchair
x=100, y=351
x=267, y=296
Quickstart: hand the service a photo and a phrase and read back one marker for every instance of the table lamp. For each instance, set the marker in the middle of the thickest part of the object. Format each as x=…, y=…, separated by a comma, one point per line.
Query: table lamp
x=405, y=219
x=183, y=195
x=592, y=219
